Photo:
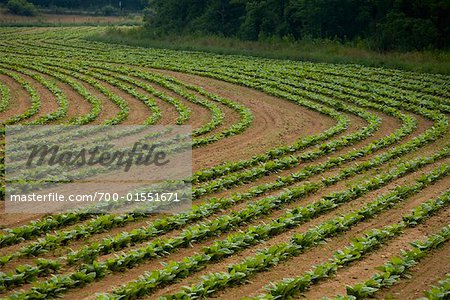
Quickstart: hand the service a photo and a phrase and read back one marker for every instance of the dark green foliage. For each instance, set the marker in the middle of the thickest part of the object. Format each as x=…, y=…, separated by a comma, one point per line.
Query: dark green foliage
x=109, y=10
x=387, y=24
x=403, y=32
x=198, y=16
x=88, y=4
x=21, y=7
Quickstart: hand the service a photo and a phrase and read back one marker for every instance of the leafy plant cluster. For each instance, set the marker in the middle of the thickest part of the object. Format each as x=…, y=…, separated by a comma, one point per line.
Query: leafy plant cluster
x=439, y=292
x=299, y=176
x=62, y=100
x=149, y=232
x=183, y=111
x=397, y=266
x=21, y=7
x=35, y=228
x=264, y=259
x=88, y=273
x=5, y=97
x=360, y=246
x=35, y=100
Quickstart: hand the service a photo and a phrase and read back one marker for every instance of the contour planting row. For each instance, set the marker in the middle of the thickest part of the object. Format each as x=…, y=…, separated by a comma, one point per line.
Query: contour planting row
x=135, y=56
x=397, y=266
x=305, y=142
x=55, y=90
x=324, y=150
x=198, y=232
x=234, y=129
x=4, y=96
x=285, y=82
x=264, y=259
x=35, y=100
x=440, y=291
x=237, y=128
x=360, y=246
x=426, y=82
x=67, y=78
x=302, y=175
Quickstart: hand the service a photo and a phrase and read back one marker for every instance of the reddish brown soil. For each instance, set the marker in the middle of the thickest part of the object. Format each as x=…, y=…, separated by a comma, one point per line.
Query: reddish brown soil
x=19, y=101
x=427, y=273
x=276, y=122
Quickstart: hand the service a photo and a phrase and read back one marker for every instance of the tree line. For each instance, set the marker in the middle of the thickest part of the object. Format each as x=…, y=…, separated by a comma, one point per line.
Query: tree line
x=87, y=4
x=385, y=24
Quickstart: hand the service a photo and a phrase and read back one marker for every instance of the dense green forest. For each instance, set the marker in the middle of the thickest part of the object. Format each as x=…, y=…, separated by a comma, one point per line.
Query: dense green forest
x=381, y=24
x=385, y=24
